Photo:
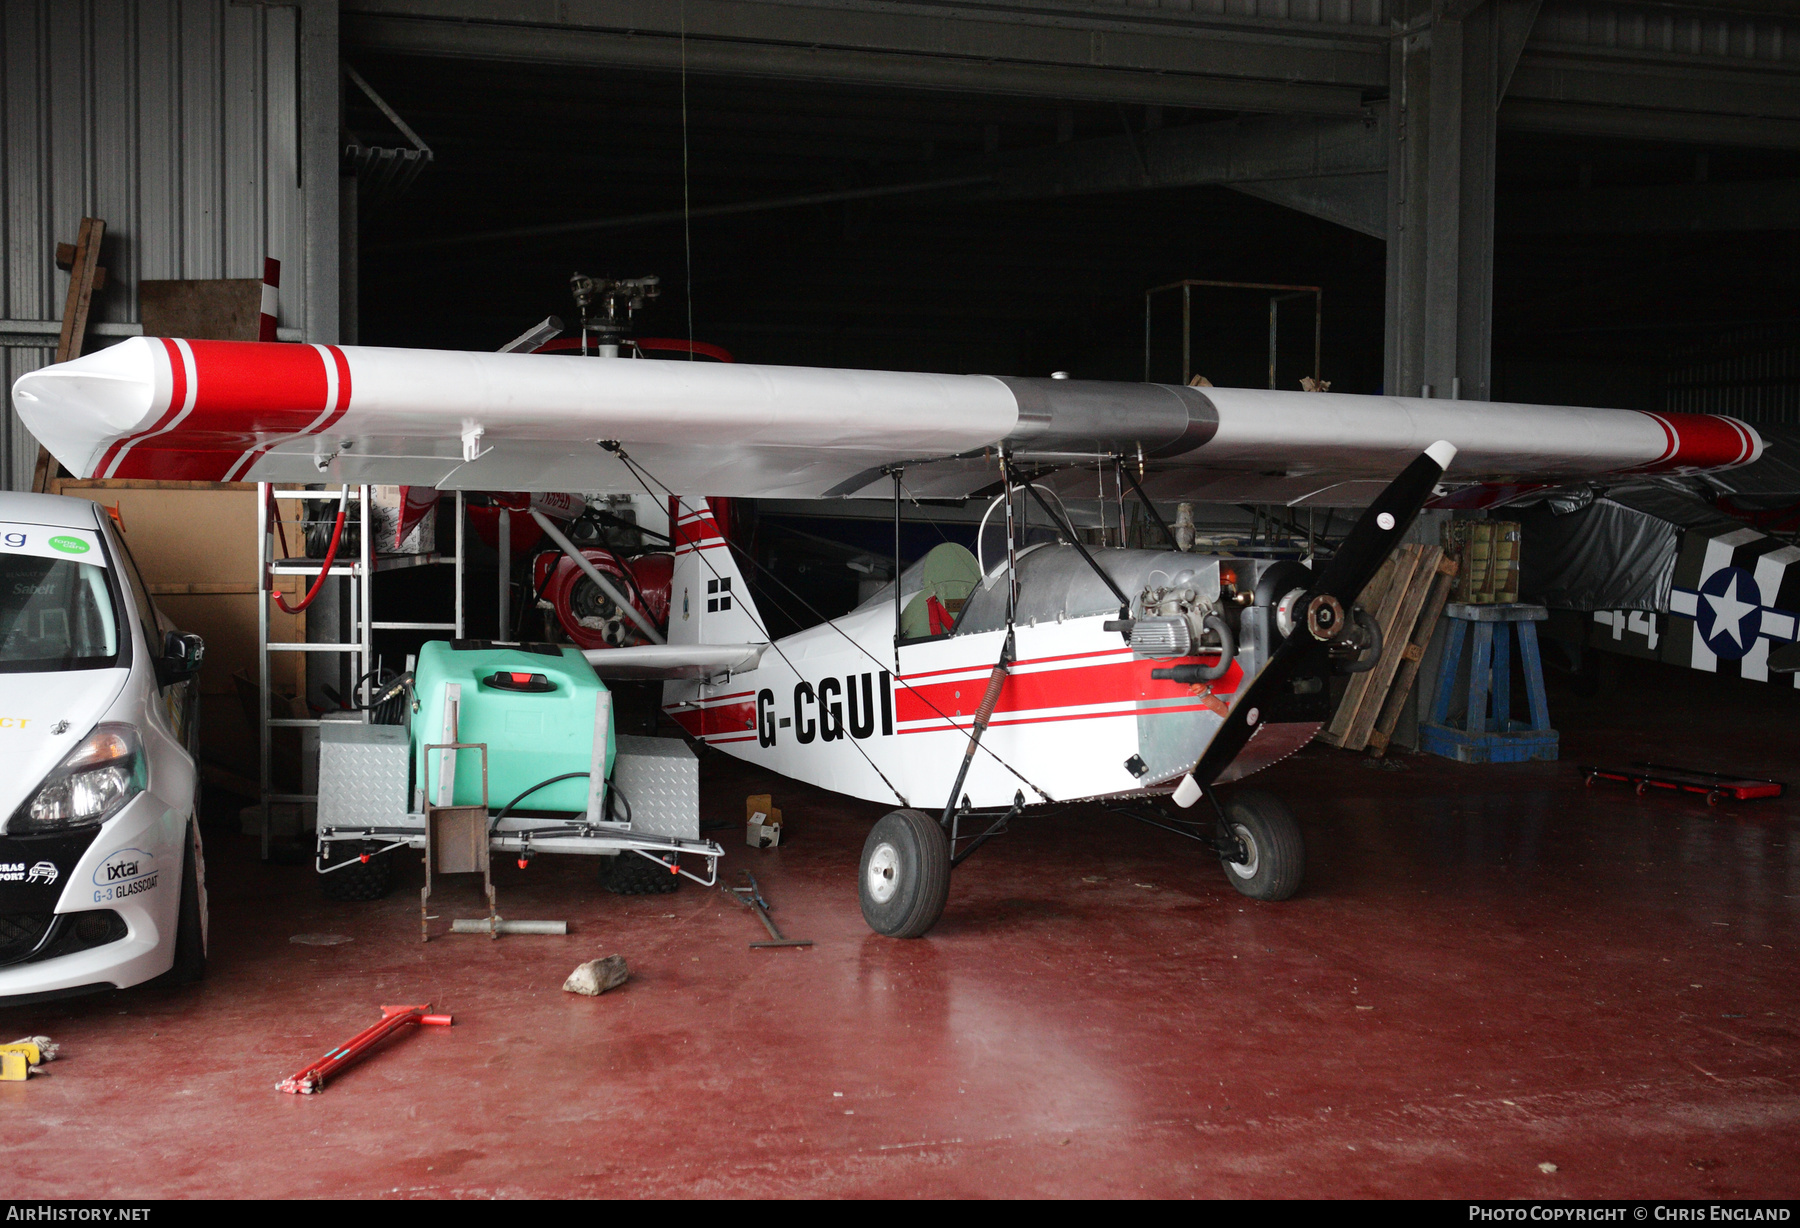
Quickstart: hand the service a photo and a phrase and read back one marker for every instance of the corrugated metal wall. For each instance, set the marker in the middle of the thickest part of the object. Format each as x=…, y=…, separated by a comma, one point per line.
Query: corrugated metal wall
x=1751, y=373
x=177, y=121
x=1670, y=31
x=1323, y=12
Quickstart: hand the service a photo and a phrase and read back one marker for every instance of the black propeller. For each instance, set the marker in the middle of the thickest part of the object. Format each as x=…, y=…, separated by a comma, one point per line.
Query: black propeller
x=1321, y=613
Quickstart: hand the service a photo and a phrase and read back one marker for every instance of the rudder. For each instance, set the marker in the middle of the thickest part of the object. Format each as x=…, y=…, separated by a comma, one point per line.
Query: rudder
x=709, y=603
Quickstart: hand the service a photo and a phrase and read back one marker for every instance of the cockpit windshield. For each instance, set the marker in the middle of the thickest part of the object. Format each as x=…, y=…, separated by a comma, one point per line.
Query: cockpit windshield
x=56, y=607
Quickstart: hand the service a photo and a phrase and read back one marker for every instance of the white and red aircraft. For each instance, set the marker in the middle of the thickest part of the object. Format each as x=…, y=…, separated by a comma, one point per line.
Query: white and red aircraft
x=970, y=690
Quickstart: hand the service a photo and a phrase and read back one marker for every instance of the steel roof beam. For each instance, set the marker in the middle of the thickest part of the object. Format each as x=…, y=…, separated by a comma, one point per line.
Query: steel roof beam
x=1225, y=66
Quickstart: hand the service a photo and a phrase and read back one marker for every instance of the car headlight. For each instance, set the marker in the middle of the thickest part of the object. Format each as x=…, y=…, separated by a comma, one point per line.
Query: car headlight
x=90, y=785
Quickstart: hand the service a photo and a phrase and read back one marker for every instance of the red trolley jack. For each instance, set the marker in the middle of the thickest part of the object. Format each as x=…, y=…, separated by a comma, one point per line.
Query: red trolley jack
x=393, y=1020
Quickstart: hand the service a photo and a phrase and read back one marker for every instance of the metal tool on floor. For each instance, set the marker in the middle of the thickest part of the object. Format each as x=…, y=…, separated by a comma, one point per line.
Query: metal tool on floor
x=394, y=1019
x=751, y=897
x=1716, y=786
x=481, y=925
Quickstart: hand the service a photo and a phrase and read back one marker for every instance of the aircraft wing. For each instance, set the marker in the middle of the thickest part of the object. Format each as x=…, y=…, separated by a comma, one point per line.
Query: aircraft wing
x=652, y=662
x=253, y=411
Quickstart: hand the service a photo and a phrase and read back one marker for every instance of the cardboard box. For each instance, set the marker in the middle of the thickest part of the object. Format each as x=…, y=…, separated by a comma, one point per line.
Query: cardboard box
x=762, y=822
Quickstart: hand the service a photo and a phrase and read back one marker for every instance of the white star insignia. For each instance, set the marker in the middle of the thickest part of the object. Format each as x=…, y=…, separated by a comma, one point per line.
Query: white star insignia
x=1729, y=612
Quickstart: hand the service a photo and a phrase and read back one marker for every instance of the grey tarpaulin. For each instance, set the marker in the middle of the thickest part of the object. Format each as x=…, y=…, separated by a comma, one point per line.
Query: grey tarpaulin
x=1606, y=556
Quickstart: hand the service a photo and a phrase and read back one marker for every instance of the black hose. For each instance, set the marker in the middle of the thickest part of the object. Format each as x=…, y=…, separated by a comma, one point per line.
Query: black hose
x=542, y=784
x=1227, y=648
x=1205, y=673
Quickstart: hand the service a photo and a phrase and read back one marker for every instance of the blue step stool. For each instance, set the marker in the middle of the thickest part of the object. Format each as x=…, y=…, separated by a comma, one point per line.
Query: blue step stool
x=1490, y=735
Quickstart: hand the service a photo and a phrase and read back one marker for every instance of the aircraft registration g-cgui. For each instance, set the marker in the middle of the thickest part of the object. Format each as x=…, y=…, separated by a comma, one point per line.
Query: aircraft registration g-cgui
x=969, y=690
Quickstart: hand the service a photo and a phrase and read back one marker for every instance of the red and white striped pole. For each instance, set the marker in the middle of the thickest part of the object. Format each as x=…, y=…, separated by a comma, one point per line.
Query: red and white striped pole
x=270, y=300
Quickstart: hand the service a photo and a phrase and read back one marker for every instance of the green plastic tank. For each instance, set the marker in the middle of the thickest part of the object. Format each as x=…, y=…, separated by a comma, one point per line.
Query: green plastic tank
x=533, y=706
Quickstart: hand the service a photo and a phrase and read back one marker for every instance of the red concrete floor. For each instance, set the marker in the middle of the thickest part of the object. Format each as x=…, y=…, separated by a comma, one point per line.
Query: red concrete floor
x=1489, y=970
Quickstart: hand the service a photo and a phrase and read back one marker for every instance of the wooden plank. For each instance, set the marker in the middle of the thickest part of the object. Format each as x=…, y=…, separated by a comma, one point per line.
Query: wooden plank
x=1376, y=592
x=1393, y=650
x=1389, y=720
x=81, y=289
x=201, y=590
x=1360, y=692
x=72, y=485
x=82, y=266
x=1354, y=689
x=225, y=309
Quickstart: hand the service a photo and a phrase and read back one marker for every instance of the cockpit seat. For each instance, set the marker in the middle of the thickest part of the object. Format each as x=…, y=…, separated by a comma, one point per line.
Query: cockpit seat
x=948, y=574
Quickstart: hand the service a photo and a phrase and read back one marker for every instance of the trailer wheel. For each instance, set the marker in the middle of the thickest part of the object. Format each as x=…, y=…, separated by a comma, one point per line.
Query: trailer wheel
x=359, y=880
x=630, y=874
x=905, y=879
x=1277, y=860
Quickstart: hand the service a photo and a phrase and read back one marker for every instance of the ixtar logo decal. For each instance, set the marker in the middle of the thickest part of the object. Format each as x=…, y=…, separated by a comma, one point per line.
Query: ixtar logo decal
x=836, y=708
x=124, y=873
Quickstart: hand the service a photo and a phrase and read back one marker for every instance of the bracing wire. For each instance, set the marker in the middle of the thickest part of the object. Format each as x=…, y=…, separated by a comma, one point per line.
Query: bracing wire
x=641, y=474
x=632, y=466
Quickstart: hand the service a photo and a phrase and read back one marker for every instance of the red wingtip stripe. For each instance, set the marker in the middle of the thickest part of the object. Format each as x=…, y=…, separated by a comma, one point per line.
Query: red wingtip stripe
x=178, y=388
x=1701, y=442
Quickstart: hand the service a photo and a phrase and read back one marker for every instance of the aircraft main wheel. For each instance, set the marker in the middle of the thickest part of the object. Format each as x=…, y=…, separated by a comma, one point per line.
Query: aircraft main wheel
x=905, y=874
x=360, y=880
x=1277, y=859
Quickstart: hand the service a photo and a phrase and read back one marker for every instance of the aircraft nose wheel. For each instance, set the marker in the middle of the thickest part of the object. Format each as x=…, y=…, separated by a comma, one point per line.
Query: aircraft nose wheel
x=1274, y=858
x=905, y=877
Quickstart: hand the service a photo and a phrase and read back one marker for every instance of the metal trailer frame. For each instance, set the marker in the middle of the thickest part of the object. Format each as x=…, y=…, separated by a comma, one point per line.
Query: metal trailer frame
x=384, y=778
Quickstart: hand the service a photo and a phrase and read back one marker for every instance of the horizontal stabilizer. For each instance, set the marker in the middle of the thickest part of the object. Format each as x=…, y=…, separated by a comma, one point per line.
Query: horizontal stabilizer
x=664, y=661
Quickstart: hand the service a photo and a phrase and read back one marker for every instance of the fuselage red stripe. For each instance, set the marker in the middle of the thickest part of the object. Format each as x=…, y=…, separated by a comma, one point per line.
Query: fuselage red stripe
x=1078, y=687
x=1065, y=716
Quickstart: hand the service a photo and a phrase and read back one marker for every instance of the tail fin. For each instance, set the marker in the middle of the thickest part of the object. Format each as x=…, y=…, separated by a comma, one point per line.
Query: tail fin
x=709, y=603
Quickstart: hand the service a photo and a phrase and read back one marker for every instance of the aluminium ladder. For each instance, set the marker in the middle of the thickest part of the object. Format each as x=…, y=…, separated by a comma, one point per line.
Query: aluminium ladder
x=360, y=646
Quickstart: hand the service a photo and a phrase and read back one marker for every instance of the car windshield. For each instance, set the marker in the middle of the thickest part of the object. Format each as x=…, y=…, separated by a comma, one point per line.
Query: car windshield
x=56, y=607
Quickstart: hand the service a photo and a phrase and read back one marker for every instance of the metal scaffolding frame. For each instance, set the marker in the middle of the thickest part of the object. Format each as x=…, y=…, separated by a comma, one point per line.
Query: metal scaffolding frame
x=1279, y=295
x=360, y=646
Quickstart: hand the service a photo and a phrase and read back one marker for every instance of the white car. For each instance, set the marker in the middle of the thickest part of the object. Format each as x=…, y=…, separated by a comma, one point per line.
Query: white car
x=102, y=879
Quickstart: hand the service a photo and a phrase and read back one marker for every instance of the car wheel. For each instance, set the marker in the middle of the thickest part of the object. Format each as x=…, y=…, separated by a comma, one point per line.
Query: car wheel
x=190, y=926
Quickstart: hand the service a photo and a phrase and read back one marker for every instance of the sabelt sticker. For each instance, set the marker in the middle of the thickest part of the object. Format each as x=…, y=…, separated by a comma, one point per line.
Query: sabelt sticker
x=48, y=542
x=124, y=873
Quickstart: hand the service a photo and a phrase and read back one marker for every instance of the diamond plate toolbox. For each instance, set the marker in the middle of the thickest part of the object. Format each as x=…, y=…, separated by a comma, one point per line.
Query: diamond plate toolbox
x=660, y=778
x=362, y=774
